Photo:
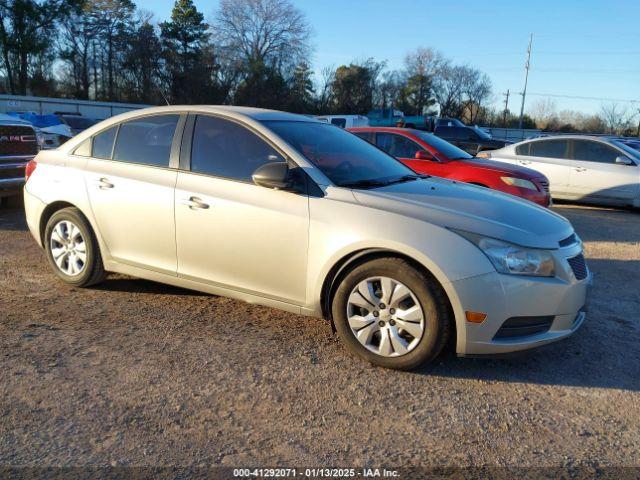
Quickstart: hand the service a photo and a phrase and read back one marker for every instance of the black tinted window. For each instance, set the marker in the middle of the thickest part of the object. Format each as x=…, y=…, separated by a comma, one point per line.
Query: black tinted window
x=523, y=149
x=396, y=145
x=146, y=140
x=590, y=151
x=368, y=136
x=226, y=149
x=446, y=132
x=103, y=143
x=549, y=148
x=340, y=122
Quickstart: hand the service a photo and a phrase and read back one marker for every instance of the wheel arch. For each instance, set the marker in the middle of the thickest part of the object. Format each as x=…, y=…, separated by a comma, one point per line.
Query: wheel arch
x=358, y=257
x=54, y=207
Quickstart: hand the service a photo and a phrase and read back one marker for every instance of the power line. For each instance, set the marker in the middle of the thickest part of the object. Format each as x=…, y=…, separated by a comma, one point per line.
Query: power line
x=579, y=97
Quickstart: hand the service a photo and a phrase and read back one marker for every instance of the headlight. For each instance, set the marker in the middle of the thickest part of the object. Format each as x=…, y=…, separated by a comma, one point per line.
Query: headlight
x=519, y=182
x=513, y=259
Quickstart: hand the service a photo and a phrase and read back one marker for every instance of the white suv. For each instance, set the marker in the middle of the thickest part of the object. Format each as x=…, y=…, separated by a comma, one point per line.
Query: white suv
x=289, y=212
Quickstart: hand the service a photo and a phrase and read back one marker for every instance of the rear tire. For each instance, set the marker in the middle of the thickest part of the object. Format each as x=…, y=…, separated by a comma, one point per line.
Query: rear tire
x=72, y=248
x=410, y=330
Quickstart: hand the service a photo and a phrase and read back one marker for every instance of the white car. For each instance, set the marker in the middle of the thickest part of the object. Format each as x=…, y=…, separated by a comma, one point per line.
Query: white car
x=344, y=121
x=579, y=167
x=285, y=211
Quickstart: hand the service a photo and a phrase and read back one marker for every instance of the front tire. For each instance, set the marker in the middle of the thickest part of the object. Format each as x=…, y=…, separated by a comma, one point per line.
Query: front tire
x=391, y=314
x=72, y=248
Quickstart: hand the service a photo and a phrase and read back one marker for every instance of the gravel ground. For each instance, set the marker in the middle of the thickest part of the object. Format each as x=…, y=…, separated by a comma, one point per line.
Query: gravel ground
x=136, y=373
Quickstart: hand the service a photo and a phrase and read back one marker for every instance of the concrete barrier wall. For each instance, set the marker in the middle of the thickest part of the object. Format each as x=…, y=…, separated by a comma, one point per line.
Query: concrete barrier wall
x=42, y=105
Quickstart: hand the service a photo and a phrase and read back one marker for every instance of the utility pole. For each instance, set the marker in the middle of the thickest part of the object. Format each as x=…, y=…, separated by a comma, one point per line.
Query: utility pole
x=506, y=108
x=526, y=79
x=638, y=131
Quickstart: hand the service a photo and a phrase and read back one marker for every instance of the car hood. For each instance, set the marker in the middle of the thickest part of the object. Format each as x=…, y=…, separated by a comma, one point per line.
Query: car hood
x=521, y=172
x=472, y=209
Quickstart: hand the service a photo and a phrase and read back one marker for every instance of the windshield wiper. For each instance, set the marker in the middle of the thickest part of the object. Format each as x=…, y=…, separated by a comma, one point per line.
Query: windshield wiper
x=364, y=184
x=372, y=183
x=406, y=178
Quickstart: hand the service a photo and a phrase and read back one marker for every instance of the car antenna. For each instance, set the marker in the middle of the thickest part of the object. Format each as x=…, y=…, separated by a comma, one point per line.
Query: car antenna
x=165, y=98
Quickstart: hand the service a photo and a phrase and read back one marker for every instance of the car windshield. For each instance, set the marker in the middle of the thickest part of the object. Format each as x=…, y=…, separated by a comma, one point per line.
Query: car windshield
x=347, y=160
x=633, y=152
x=448, y=150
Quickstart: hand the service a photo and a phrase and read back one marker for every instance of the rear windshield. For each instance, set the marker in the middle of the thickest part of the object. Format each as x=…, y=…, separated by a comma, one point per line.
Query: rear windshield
x=444, y=147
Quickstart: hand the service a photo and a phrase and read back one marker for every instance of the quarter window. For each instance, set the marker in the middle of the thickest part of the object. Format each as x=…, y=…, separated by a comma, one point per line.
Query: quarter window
x=588, y=151
x=523, y=149
x=103, y=143
x=225, y=149
x=84, y=149
x=368, y=136
x=146, y=140
x=397, y=146
x=549, y=149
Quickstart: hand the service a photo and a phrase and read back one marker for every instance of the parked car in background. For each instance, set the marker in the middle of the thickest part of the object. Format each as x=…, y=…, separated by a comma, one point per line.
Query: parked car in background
x=425, y=153
x=77, y=122
x=286, y=211
x=631, y=142
x=389, y=117
x=579, y=167
x=470, y=139
x=18, y=145
x=344, y=121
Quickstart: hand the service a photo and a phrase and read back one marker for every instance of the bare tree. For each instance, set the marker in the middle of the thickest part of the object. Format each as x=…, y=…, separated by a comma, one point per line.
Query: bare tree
x=272, y=33
x=476, y=90
x=424, y=61
x=543, y=112
x=615, y=116
x=323, y=89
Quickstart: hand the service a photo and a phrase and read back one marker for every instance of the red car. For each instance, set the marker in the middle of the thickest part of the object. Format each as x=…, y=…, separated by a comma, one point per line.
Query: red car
x=425, y=153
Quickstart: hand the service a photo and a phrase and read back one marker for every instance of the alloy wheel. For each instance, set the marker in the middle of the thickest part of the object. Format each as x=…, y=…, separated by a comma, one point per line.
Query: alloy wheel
x=68, y=248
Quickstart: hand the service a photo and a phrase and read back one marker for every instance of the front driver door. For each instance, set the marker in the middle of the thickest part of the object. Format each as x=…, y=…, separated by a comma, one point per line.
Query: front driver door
x=230, y=232
x=131, y=189
x=596, y=174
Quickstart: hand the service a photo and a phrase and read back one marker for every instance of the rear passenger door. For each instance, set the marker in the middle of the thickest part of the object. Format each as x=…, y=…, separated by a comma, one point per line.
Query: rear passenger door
x=130, y=184
x=550, y=157
x=596, y=174
x=230, y=232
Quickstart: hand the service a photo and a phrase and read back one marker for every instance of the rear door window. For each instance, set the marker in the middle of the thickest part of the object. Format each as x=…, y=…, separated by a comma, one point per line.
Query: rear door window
x=146, y=140
x=549, y=149
x=523, y=149
x=103, y=143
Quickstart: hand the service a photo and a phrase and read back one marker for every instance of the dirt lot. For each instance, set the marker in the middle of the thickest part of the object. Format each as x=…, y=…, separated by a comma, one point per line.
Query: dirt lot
x=136, y=373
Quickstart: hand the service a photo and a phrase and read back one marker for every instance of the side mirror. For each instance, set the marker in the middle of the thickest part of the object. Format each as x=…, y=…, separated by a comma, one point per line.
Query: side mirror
x=623, y=161
x=272, y=175
x=423, y=155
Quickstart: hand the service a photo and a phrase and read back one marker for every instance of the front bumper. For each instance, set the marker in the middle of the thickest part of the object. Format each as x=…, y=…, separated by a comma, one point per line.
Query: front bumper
x=561, y=301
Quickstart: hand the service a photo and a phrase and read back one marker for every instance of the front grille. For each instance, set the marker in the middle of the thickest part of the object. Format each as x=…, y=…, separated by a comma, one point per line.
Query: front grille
x=17, y=172
x=570, y=240
x=522, y=326
x=17, y=140
x=579, y=267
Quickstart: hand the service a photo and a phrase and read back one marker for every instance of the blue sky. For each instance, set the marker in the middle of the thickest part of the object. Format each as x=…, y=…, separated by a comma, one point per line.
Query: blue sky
x=580, y=48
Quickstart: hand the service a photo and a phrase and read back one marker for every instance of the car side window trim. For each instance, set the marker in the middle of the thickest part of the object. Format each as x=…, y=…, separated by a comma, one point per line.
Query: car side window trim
x=175, y=142
x=311, y=187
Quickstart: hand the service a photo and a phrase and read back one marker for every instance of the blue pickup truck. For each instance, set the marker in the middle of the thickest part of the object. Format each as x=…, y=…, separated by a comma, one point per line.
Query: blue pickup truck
x=389, y=117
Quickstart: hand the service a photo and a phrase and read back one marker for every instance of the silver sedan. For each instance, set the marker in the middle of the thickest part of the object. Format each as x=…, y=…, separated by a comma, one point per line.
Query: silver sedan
x=285, y=211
